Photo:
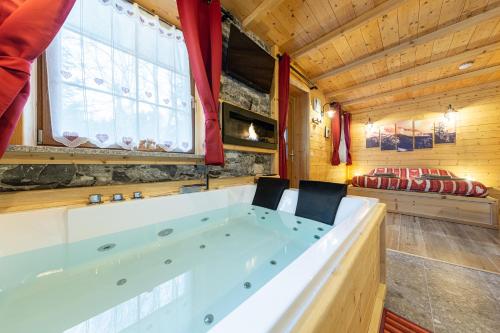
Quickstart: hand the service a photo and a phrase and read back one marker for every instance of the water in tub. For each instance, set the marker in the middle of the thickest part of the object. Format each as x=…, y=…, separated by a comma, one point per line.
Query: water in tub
x=182, y=275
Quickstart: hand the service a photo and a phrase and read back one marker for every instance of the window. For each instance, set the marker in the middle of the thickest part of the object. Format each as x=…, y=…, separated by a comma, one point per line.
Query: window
x=119, y=78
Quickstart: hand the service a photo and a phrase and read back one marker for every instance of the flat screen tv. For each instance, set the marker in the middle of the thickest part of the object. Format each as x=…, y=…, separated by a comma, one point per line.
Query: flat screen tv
x=247, y=62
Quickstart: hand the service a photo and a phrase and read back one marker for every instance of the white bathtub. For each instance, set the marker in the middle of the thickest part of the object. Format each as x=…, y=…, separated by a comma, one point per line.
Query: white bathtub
x=291, y=290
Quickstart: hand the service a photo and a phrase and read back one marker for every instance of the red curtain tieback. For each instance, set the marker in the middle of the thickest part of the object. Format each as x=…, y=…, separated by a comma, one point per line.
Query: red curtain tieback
x=15, y=64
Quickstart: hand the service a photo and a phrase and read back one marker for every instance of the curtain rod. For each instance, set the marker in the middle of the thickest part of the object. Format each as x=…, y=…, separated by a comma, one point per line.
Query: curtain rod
x=310, y=84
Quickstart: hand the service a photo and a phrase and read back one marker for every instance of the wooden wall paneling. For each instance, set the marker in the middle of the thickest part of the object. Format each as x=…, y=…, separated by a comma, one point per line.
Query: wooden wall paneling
x=472, y=7
x=320, y=150
x=371, y=35
x=263, y=7
x=346, y=16
x=474, y=211
x=351, y=299
x=323, y=12
x=450, y=12
x=429, y=14
x=343, y=10
x=420, y=40
x=449, y=62
x=389, y=28
x=438, y=82
x=17, y=136
x=240, y=9
x=476, y=152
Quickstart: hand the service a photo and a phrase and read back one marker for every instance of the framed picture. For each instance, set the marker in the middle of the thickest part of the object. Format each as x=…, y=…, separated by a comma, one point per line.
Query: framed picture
x=388, y=138
x=372, y=136
x=404, y=134
x=423, y=132
x=445, y=131
x=316, y=105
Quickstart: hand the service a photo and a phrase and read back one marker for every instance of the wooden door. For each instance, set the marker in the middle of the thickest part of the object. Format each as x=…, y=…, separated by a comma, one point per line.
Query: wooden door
x=297, y=137
x=290, y=138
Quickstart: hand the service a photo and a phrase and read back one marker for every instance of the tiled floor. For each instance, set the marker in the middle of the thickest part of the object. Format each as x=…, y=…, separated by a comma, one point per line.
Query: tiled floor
x=460, y=244
x=444, y=298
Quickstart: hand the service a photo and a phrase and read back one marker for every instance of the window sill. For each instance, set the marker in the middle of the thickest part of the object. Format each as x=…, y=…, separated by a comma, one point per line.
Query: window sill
x=17, y=154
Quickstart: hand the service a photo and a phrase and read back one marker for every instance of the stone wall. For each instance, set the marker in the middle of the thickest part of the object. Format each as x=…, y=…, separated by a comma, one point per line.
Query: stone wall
x=32, y=177
x=237, y=93
x=49, y=176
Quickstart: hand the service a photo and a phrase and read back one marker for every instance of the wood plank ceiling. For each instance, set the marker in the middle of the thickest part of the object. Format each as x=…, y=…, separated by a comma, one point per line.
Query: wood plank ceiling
x=367, y=53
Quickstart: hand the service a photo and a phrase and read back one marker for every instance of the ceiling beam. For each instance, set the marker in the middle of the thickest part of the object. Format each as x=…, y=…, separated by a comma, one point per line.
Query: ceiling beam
x=440, y=96
x=352, y=25
x=467, y=23
x=465, y=56
x=451, y=79
x=263, y=7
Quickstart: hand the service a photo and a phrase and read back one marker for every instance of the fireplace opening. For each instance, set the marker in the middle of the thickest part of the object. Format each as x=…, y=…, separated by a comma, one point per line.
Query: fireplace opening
x=246, y=128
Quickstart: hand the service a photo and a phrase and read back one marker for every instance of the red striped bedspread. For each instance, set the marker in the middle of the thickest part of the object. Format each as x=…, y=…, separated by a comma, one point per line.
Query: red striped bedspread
x=408, y=179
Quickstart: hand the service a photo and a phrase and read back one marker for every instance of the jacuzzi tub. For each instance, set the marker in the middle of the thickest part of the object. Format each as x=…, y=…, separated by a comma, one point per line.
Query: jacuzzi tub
x=38, y=246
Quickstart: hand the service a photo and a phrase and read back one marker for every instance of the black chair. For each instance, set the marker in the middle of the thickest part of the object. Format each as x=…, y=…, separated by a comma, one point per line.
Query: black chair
x=269, y=192
x=319, y=201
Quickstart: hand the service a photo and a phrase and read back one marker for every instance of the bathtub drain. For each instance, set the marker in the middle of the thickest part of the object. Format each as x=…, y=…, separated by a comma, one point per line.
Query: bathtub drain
x=121, y=282
x=165, y=232
x=209, y=318
x=106, y=247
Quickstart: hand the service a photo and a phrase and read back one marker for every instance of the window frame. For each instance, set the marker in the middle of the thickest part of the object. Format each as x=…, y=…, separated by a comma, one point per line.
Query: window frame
x=44, y=123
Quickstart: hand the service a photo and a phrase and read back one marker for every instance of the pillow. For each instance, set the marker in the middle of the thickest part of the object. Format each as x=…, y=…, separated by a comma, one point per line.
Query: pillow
x=269, y=192
x=319, y=201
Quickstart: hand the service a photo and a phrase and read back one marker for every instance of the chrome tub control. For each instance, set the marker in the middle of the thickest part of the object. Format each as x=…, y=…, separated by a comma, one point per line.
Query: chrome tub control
x=137, y=195
x=117, y=197
x=95, y=199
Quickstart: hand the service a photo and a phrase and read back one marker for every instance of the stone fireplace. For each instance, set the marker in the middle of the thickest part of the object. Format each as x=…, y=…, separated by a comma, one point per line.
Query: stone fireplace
x=245, y=128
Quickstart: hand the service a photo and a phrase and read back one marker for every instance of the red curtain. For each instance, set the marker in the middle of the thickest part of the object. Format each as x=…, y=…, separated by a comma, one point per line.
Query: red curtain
x=283, y=95
x=202, y=28
x=347, y=137
x=26, y=30
x=336, y=127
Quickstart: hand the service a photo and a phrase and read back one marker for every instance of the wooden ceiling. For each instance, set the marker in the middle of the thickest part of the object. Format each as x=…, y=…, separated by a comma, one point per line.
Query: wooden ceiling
x=366, y=53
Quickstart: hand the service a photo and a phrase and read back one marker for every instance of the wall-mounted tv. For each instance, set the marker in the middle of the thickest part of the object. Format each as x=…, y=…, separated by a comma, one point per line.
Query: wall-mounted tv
x=247, y=62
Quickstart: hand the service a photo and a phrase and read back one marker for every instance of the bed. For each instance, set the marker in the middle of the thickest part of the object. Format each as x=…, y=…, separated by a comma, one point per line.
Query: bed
x=428, y=192
x=414, y=180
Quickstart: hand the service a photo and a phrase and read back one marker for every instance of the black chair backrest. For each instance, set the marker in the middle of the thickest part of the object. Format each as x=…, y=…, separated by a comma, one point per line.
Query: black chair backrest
x=269, y=192
x=319, y=201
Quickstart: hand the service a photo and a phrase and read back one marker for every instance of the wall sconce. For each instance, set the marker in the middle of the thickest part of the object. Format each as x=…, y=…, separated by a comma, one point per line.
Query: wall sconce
x=369, y=124
x=449, y=114
x=330, y=112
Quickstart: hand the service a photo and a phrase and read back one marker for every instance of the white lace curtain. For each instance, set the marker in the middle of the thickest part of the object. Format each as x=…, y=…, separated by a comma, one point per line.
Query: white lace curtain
x=119, y=77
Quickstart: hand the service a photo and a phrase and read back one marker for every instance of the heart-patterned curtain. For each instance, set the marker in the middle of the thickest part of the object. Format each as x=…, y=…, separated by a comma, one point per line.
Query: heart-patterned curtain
x=119, y=77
